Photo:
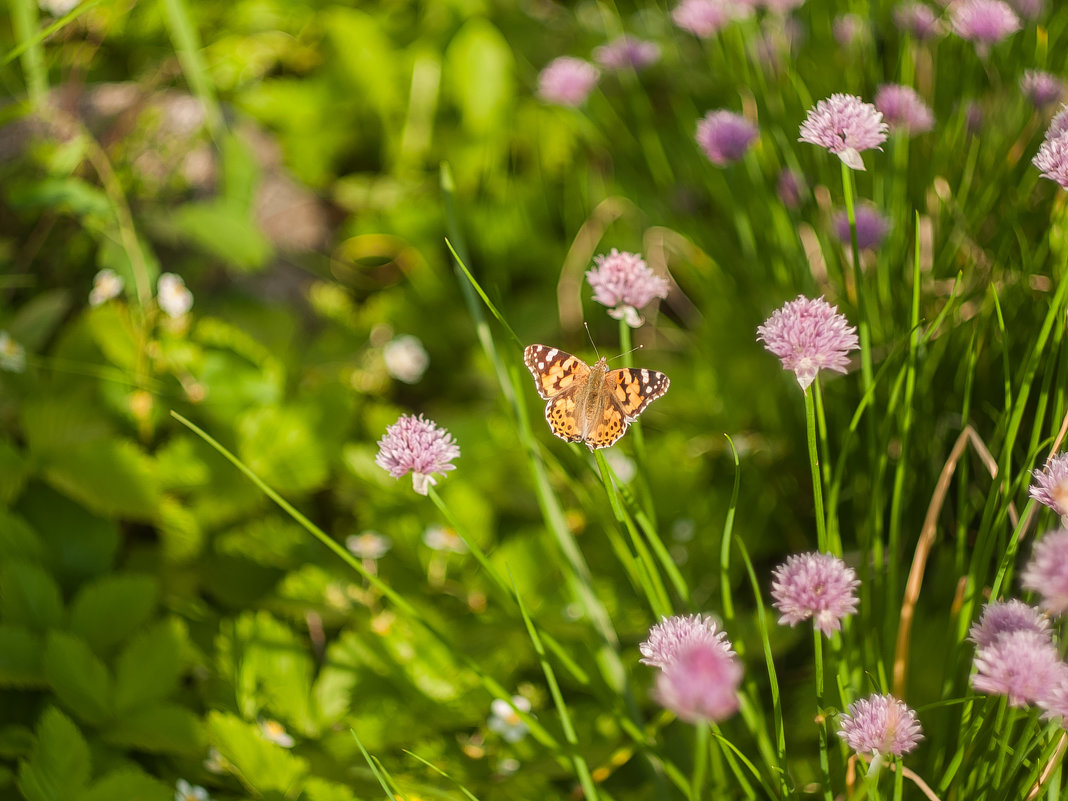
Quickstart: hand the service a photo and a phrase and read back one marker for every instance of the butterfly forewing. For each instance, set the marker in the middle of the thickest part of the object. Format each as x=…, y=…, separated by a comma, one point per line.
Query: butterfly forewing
x=554, y=370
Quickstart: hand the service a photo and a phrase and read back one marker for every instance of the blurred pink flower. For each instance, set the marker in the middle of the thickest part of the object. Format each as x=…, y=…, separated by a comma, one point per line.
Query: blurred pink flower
x=789, y=188
x=672, y=635
x=1002, y=617
x=1051, y=484
x=1022, y=665
x=705, y=18
x=567, y=81
x=903, y=109
x=918, y=20
x=1047, y=572
x=701, y=683
x=1052, y=159
x=872, y=227
x=985, y=22
x=625, y=283
x=1041, y=88
x=725, y=136
x=627, y=52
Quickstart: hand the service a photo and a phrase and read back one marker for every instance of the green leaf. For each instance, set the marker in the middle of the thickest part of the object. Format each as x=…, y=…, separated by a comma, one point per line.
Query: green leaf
x=14, y=469
x=58, y=767
x=16, y=741
x=149, y=667
x=78, y=678
x=279, y=445
x=107, y=611
x=128, y=785
x=158, y=728
x=29, y=596
x=480, y=74
x=261, y=764
x=111, y=477
x=78, y=545
x=20, y=657
x=36, y=321
x=224, y=230
x=66, y=195
x=18, y=540
x=316, y=789
x=114, y=333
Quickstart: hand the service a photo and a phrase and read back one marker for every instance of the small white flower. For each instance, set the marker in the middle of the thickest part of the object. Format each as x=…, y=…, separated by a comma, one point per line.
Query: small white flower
x=184, y=791
x=57, y=8
x=443, y=539
x=106, y=285
x=172, y=295
x=368, y=545
x=406, y=358
x=276, y=733
x=622, y=465
x=505, y=721
x=12, y=354
x=216, y=762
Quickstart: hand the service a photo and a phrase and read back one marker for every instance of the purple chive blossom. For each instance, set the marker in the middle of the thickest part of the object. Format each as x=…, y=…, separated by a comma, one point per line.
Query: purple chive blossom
x=789, y=188
x=1003, y=617
x=1052, y=159
x=871, y=227
x=627, y=52
x=417, y=446
x=848, y=30
x=1051, y=484
x=700, y=683
x=1059, y=123
x=567, y=81
x=903, y=109
x=725, y=136
x=809, y=335
x=673, y=635
x=815, y=585
x=1029, y=9
x=1054, y=701
x=625, y=283
x=880, y=725
x=1041, y=88
x=1022, y=665
x=1047, y=572
x=917, y=20
x=706, y=18
x=985, y=22
x=844, y=125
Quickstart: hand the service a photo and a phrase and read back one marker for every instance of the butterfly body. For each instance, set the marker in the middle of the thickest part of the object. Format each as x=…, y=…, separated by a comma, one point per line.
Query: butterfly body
x=588, y=404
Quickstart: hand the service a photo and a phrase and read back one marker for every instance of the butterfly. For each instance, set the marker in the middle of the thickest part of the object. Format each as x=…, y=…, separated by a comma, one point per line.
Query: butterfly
x=590, y=404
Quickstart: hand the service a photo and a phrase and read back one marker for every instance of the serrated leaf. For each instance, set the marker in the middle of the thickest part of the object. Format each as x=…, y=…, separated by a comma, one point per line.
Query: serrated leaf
x=79, y=679
x=261, y=764
x=29, y=596
x=20, y=657
x=58, y=767
x=158, y=728
x=149, y=667
x=107, y=611
x=111, y=477
x=279, y=445
x=128, y=785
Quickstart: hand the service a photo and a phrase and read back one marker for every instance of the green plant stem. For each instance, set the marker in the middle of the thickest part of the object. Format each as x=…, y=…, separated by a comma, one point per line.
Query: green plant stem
x=825, y=764
x=863, y=325
x=814, y=465
x=700, y=760
x=23, y=22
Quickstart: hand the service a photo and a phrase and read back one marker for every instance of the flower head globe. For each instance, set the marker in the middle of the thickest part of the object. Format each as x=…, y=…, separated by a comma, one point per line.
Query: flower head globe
x=903, y=109
x=845, y=125
x=1003, y=617
x=627, y=52
x=809, y=335
x=880, y=725
x=984, y=22
x=567, y=81
x=918, y=20
x=1054, y=701
x=706, y=18
x=701, y=683
x=625, y=283
x=417, y=446
x=1028, y=9
x=1047, y=572
x=1059, y=124
x=1021, y=665
x=819, y=586
x=672, y=635
x=1041, y=88
x=1052, y=159
x=850, y=30
x=1051, y=484
x=725, y=136
x=172, y=295
x=872, y=227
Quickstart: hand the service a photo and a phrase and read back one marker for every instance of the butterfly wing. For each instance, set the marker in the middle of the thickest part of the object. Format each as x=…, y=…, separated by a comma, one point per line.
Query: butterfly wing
x=555, y=371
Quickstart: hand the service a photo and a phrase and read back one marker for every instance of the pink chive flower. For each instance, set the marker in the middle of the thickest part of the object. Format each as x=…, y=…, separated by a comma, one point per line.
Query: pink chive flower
x=872, y=227
x=627, y=52
x=849, y=30
x=917, y=20
x=903, y=109
x=1021, y=665
x=880, y=725
x=845, y=125
x=789, y=188
x=809, y=335
x=1059, y=123
x=815, y=585
x=700, y=683
x=1041, y=88
x=1051, y=484
x=625, y=283
x=725, y=136
x=673, y=635
x=984, y=22
x=1054, y=701
x=1029, y=9
x=417, y=446
x=1052, y=159
x=1003, y=617
x=1047, y=572
x=567, y=81
x=706, y=18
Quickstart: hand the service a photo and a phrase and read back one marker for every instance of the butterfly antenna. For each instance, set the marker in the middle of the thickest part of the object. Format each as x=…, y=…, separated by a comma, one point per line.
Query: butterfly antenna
x=636, y=347
x=588, y=334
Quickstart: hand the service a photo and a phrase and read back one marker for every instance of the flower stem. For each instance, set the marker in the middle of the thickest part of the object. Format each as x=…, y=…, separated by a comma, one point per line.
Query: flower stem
x=862, y=306
x=700, y=760
x=814, y=463
x=825, y=763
